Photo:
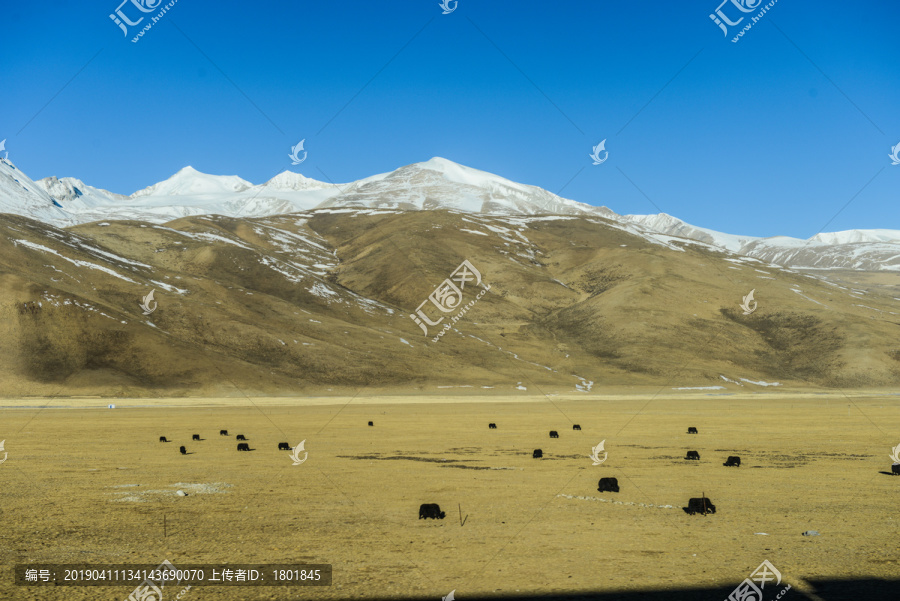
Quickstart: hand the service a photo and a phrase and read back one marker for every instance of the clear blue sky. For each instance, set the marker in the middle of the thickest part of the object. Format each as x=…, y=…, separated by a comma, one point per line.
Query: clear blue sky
x=770, y=135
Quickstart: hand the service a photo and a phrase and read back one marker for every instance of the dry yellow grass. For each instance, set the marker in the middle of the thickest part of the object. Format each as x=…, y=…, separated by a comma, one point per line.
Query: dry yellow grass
x=810, y=462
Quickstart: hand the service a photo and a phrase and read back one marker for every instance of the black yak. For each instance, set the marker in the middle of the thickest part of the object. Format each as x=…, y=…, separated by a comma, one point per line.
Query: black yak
x=701, y=506
x=430, y=510
x=608, y=485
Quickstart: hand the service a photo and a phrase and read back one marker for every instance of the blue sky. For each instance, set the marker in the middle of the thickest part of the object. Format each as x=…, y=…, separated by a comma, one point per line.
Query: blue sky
x=786, y=132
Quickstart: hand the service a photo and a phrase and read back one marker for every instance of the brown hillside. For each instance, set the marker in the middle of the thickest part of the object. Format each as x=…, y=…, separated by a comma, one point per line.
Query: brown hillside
x=320, y=300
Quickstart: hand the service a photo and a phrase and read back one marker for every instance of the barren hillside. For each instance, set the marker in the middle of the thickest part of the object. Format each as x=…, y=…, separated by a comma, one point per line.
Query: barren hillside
x=304, y=302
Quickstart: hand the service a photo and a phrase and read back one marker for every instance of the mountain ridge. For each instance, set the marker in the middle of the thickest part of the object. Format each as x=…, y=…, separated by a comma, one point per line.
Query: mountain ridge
x=299, y=303
x=430, y=185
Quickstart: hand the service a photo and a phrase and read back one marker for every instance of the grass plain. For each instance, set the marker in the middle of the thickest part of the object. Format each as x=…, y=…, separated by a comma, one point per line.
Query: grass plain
x=87, y=484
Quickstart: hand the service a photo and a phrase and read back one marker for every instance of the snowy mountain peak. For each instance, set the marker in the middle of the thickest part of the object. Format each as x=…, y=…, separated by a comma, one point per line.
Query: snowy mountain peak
x=20, y=195
x=70, y=189
x=439, y=183
x=188, y=181
x=67, y=188
x=460, y=174
x=288, y=180
x=855, y=236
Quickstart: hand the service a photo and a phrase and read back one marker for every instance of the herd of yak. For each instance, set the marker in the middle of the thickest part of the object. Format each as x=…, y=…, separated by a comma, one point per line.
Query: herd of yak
x=699, y=505
x=242, y=446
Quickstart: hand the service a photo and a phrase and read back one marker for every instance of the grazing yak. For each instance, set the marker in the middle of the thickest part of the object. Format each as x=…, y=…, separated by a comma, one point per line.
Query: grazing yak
x=195, y=437
x=895, y=469
x=554, y=434
x=693, y=455
x=492, y=426
x=183, y=451
x=223, y=432
x=283, y=446
x=538, y=454
x=732, y=461
x=163, y=439
x=243, y=446
x=371, y=424
x=608, y=485
x=430, y=510
x=692, y=430
x=701, y=506
x=576, y=426
x=241, y=437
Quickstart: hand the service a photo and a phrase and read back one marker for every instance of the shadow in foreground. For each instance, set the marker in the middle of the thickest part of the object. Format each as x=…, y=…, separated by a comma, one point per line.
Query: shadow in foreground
x=824, y=590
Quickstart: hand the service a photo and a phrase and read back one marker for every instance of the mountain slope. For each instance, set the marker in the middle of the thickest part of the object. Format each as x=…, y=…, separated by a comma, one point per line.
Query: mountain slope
x=319, y=300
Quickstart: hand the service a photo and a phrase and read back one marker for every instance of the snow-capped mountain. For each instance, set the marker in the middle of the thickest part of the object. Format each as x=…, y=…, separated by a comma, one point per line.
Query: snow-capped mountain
x=434, y=184
x=847, y=250
x=190, y=182
x=22, y=196
x=442, y=184
x=673, y=226
x=288, y=180
x=71, y=192
x=187, y=193
x=862, y=250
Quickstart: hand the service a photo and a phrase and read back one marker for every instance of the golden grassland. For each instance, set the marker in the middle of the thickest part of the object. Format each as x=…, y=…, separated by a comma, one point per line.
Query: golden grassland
x=86, y=484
